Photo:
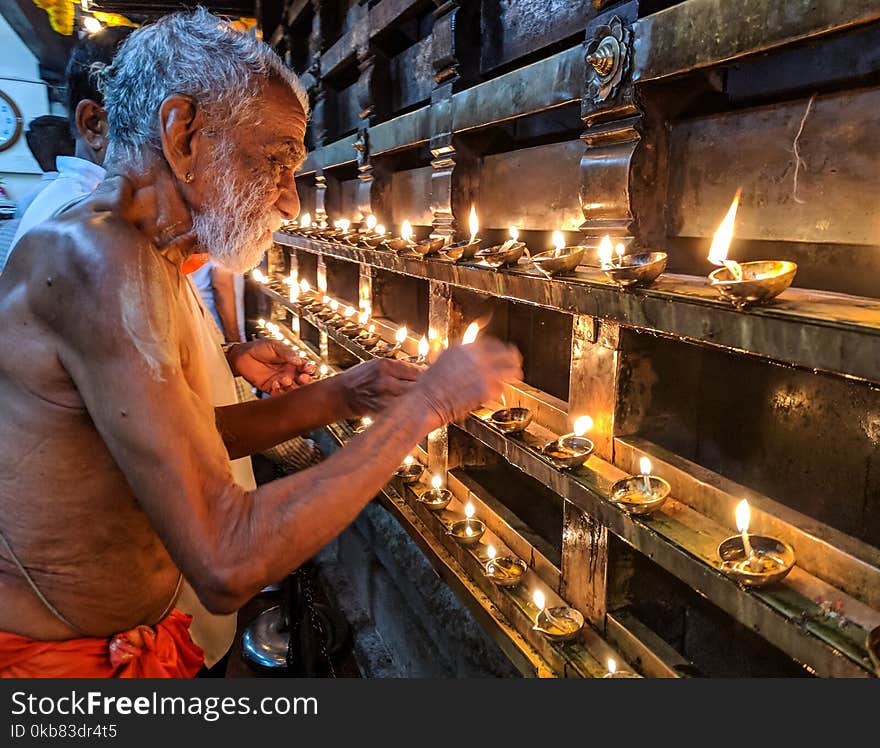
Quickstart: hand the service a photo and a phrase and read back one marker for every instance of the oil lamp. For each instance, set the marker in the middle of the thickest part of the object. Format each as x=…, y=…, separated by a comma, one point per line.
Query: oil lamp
x=258, y=276
x=368, y=337
x=560, y=623
x=399, y=340
x=437, y=498
x=423, y=349
x=365, y=423
x=505, y=571
x=754, y=560
x=511, y=420
x=640, y=269
x=467, y=249
x=308, y=299
x=376, y=236
x=410, y=470
x=560, y=259
x=504, y=254
x=404, y=242
x=749, y=282
x=323, y=371
x=469, y=530
x=349, y=325
x=305, y=224
x=613, y=672
x=640, y=494
x=572, y=449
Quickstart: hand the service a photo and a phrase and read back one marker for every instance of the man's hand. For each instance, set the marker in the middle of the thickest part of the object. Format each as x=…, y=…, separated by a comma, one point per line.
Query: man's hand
x=371, y=386
x=269, y=365
x=467, y=375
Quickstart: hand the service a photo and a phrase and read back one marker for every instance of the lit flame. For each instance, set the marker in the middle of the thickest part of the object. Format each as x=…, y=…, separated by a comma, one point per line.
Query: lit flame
x=645, y=466
x=371, y=329
x=305, y=220
x=470, y=335
x=582, y=425
x=436, y=482
x=539, y=600
x=363, y=318
x=325, y=300
x=258, y=276
x=366, y=421
x=621, y=250
x=380, y=230
x=724, y=235
x=323, y=370
x=400, y=335
x=423, y=347
x=322, y=284
x=371, y=222
x=743, y=516
x=289, y=280
x=612, y=665
x=432, y=333
x=558, y=240
x=261, y=322
x=409, y=460
x=514, y=233
x=406, y=232
x=334, y=305
x=491, y=552
x=606, y=251
x=349, y=312
x=473, y=223
x=503, y=402
x=469, y=510
x=344, y=224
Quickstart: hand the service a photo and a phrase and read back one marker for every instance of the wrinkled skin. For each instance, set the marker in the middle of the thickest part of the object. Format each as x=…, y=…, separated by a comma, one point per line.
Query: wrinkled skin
x=114, y=473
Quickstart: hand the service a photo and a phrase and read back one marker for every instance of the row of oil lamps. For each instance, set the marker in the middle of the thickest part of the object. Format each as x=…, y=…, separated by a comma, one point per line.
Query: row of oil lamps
x=741, y=283
x=758, y=562
x=753, y=560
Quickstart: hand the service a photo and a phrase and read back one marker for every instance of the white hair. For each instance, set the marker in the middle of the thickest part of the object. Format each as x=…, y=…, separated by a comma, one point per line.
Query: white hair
x=194, y=54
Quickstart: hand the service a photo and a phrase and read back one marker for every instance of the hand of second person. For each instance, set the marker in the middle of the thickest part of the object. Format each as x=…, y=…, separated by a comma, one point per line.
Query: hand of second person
x=371, y=386
x=465, y=376
x=270, y=366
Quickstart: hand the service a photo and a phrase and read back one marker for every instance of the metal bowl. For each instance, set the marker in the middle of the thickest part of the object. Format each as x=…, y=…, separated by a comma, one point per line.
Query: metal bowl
x=410, y=474
x=761, y=281
x=505, y=571
x=397, y=244
x=629, y=494
x=430, y=246
x=462, y=250
x=776, y=556
x=560, y=261
x=637, y=270
x=872, y=644
x=436, y=499
x=562, y=625
x=511, y=420
x=367, y=341
x=459, y=528
x=373, y=240
x=496, y=257
x=568, y=451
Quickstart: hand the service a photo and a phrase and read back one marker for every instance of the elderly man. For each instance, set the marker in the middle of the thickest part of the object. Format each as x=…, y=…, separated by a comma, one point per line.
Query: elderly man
x=115, y=473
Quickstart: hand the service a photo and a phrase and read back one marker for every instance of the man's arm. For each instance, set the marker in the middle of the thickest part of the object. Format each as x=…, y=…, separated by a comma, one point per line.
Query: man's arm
x=126, y=363
x=251, y=427
x=223, y=288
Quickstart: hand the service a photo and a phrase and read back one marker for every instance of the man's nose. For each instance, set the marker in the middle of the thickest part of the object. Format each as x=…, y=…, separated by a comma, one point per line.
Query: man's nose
x=288, y=202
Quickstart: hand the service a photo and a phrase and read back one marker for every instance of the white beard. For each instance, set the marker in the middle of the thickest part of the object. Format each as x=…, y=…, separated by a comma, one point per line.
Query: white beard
x=231, y=227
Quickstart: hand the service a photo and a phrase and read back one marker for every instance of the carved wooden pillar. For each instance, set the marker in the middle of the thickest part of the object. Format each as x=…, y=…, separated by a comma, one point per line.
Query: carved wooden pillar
x=612, y=118
x=442, y=143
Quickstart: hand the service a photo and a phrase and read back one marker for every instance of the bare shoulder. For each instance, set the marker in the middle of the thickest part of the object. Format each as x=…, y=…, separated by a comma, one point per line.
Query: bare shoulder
x=92, y=276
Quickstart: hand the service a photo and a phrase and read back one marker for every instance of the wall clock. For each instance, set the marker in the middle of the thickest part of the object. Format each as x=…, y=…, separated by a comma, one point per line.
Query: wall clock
x=10, y=122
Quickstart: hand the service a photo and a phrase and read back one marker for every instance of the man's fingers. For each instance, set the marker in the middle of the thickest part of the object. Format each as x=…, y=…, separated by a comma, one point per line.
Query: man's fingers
x=403, y=370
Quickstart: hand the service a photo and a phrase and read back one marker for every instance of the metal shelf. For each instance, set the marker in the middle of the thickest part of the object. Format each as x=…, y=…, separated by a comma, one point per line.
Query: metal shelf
x=683, y=541
x=814, y=329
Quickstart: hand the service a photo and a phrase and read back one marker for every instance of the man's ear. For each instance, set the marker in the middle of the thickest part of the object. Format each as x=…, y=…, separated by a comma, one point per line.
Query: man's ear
x=180, y=125
x=91, y=123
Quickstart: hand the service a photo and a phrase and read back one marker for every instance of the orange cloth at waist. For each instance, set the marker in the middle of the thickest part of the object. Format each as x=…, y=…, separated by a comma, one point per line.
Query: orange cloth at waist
x=161, y=651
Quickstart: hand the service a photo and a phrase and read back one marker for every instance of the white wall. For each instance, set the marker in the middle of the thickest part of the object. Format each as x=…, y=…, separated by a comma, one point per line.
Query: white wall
x=20, y=79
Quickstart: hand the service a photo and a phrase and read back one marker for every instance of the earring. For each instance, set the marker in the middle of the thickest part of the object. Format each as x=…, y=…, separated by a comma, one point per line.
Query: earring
x=188, y=177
